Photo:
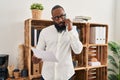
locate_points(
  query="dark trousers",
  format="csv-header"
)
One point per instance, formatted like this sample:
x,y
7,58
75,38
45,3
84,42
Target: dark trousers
x,y
41,78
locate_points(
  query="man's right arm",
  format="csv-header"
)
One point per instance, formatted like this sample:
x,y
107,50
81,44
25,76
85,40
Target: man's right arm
x,y
40,46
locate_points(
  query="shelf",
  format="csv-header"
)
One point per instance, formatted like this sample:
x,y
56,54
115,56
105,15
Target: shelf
x,y
97,45
80,75
80,68
97,73
84,45
34,76
20,78
80,61
91,67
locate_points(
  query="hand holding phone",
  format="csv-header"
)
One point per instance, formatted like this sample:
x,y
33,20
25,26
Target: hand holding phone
x,y
68,23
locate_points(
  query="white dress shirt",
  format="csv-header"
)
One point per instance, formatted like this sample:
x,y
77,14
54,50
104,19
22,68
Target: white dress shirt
x,y
60,44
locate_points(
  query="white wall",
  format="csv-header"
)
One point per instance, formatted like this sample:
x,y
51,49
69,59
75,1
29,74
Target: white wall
x,y
14,12
117,26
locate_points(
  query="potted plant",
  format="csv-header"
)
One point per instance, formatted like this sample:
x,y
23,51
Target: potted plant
x,y
36,10
114,60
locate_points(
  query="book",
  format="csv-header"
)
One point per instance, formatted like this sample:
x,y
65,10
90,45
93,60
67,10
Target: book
x,y
98,35
95,35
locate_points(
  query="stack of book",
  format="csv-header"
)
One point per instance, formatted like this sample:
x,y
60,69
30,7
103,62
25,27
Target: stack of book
x,y
81,18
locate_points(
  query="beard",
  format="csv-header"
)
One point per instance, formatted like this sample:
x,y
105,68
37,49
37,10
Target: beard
x,y
60,26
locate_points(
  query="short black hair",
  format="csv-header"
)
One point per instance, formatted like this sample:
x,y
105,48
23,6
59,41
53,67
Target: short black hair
x,y
55,7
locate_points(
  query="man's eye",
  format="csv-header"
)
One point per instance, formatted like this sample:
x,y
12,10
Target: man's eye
x,y
56,17
61,15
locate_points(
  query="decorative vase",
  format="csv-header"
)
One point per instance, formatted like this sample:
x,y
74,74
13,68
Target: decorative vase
x,y
36,14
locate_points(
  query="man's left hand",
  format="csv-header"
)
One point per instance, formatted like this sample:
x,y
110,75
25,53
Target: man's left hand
x,y
68,23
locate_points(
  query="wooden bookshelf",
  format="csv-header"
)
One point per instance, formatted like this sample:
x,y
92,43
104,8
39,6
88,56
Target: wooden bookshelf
x,y
83,71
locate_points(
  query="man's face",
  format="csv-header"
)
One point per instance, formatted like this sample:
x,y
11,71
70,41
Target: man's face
x,y
58,16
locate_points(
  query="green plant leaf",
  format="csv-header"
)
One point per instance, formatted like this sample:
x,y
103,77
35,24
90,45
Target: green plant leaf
x,y
112,77
118,76
114,47
112,70
37,6
112,61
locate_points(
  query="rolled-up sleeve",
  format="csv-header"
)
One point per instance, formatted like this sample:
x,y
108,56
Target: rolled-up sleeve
x,y
75,43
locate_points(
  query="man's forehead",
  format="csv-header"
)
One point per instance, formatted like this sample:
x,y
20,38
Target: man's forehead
x,y
57,11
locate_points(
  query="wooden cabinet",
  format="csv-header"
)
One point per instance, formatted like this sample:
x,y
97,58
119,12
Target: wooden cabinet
x,y
83,71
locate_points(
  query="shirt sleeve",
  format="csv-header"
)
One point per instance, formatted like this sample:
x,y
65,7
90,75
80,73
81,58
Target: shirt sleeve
x,y
41,41
75,43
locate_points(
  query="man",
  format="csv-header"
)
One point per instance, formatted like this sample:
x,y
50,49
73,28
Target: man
x,y
59,38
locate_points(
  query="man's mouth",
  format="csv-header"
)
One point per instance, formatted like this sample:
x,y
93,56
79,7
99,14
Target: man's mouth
x,y
61,23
